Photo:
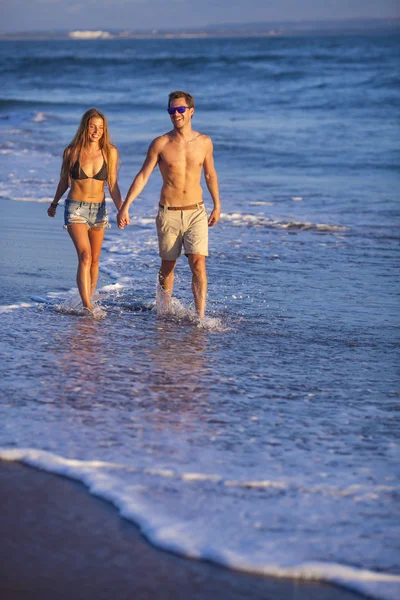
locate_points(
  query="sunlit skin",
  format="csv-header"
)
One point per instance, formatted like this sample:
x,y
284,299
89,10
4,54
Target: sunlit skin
x,y
181,155
88,243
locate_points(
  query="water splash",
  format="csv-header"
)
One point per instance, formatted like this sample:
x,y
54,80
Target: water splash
x,y
171,308
72,305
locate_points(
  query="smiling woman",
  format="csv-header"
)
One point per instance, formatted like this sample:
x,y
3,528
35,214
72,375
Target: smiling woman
x,y
88,162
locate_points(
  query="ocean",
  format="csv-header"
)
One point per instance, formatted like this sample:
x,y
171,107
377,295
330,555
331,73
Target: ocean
x,y
267,439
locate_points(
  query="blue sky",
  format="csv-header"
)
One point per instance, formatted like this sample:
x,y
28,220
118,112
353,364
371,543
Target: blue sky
x,y
42,15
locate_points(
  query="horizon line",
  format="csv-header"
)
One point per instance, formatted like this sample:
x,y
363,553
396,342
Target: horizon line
x,y
213,27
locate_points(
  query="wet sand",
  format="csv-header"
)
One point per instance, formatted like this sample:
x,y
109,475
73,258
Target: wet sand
x,y
36,253
59,542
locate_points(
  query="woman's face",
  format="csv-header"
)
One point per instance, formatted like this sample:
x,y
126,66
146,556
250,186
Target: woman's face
x,y
95,129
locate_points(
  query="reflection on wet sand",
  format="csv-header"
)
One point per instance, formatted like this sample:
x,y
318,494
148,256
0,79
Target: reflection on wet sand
x,y
179,373
82,365
165,369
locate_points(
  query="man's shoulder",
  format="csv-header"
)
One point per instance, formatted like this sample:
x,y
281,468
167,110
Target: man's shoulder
x,y
165,138
159,142
197,135
205,139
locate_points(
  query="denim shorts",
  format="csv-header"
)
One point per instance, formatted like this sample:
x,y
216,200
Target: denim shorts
x,y
91,214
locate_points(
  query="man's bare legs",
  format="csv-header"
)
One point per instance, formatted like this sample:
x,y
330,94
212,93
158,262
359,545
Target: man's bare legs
x,y
166,278
197,264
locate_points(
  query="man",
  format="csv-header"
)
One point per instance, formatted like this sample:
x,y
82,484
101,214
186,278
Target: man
x,y
181,154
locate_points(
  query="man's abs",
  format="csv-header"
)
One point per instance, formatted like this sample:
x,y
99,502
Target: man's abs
x,y
174,196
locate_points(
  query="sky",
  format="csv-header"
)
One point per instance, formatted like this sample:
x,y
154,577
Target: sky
x,y
44,15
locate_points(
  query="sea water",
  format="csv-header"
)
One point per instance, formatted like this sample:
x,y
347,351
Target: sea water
x,y
267,437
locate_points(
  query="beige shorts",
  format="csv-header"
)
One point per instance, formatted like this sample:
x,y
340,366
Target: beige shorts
x,y
177,228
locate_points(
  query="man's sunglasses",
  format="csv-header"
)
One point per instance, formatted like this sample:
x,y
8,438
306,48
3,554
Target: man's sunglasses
x,y
173,109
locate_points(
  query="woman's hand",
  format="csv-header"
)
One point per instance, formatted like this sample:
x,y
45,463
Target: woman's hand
x,y
51,211
123,217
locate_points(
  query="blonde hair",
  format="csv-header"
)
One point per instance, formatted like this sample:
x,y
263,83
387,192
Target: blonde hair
x,y
81,139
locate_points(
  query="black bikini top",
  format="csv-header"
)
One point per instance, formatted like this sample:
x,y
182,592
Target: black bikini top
x,y
78,173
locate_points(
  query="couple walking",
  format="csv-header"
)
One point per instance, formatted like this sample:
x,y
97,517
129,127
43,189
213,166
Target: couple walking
x,y
181,154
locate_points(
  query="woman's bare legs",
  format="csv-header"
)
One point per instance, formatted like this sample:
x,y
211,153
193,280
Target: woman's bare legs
x,y
88,244
80,236
96,236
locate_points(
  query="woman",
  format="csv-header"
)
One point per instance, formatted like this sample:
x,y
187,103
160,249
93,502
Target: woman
x,y
88,162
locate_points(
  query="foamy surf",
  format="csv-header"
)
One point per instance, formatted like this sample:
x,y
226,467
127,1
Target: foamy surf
x,y
249,220
7,308
108,480
40,117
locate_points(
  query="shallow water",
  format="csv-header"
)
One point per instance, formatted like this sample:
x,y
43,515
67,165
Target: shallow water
x,y
267,438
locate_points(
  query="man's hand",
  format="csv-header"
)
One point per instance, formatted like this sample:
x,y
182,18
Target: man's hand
x,y
123,218
214,217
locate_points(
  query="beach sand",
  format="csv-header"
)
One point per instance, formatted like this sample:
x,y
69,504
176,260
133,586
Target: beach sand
x,y
59,542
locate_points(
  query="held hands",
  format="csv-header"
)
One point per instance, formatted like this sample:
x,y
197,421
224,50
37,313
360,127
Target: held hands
x,y
123,218
214,217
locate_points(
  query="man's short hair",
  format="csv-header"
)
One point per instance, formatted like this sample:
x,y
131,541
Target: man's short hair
x,y
179,94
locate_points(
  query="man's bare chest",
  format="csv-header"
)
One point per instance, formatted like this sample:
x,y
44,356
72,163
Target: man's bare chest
x,y
186,156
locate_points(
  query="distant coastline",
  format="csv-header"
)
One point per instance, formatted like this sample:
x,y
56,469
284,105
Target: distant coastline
x,y
288,28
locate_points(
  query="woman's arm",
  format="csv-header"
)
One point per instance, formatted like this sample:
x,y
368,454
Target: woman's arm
x,y
62,187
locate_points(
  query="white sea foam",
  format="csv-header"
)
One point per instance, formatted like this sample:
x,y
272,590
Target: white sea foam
x,y
142,222
6,308
39,117
246,220
110,271
13,152
113,287
172,532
